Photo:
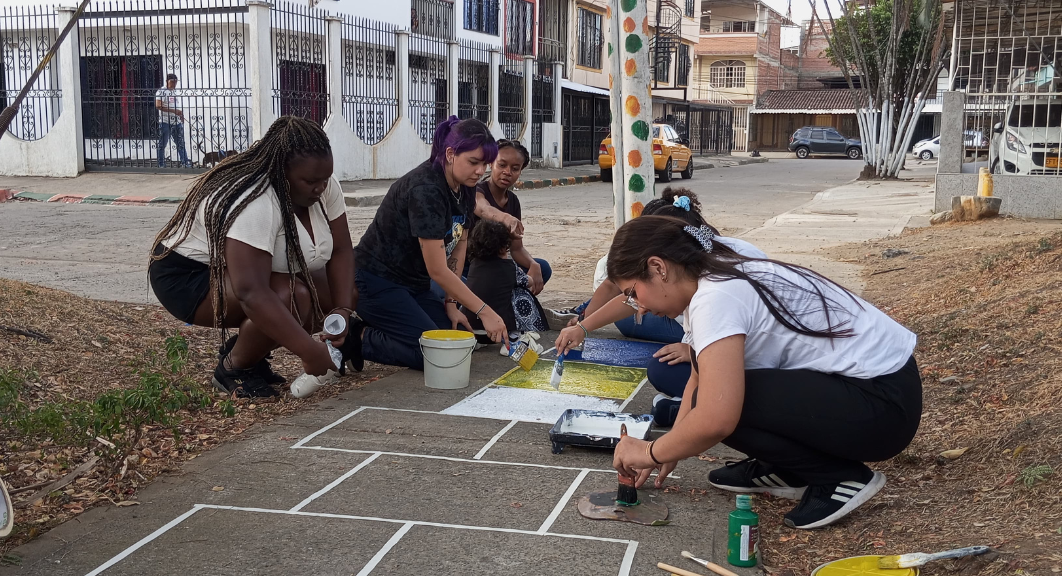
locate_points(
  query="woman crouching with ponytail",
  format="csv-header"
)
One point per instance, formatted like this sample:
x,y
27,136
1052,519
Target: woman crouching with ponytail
x,y
261,244
805,378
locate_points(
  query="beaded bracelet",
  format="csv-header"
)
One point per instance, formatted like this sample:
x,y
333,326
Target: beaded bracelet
x,y
586,333
478,312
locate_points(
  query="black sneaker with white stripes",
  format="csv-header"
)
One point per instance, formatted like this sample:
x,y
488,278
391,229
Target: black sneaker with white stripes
x,y
750,476
825,504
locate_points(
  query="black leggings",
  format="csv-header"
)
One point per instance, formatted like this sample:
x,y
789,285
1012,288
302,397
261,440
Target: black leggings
x,y
823,427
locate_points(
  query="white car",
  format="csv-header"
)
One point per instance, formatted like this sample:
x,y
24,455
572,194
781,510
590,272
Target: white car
x,y
1029,140
927,149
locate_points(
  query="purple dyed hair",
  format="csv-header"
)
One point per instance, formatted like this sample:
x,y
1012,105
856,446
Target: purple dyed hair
x,y
462,136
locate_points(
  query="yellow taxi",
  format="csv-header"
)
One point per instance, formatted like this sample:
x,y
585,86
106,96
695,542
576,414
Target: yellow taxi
x,y
670,153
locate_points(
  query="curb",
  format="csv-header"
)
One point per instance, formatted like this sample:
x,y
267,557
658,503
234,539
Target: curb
x,y
101,199
551,182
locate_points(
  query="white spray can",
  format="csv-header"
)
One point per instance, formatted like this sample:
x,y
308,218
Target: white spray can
x,y
307,384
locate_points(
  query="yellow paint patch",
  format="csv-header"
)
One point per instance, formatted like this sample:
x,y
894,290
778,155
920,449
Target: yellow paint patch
x,y
630,67
579,378
636,209
628,25
632,106
634,158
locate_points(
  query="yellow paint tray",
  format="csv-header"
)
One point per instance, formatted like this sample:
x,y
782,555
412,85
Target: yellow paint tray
x,y
860,566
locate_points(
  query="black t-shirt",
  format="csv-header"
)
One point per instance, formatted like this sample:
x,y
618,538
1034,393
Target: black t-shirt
x,y
512,205
493,280
418,205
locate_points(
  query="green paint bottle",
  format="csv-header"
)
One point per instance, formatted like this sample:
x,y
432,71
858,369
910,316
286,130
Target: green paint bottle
x,y
743,534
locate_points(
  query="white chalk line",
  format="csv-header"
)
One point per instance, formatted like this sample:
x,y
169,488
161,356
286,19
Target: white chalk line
x,y
335,482
145,540
623,406
455,459
415,523
371,565
563,502
493,440
628,559
300,443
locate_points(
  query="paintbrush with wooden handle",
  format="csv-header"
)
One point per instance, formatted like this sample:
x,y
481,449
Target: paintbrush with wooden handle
x,y
921,558
709,565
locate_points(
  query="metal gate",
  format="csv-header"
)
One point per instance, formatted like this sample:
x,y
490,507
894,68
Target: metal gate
x,y
128,48
511,96
541,105
586,119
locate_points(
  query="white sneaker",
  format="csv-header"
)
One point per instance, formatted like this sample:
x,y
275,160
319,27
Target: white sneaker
x,y
7,511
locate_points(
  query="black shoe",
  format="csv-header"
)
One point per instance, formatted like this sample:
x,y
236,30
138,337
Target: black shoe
x,y
752,476
351,347
826,504
262,368
246,383
665,410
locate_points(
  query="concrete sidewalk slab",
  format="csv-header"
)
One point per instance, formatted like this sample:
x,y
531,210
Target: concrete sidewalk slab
x,y
855,212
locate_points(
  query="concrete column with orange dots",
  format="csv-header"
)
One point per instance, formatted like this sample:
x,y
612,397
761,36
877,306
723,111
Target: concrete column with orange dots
x,y
633,176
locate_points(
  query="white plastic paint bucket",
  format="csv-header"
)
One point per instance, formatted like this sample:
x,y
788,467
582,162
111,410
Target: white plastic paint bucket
x,y
447,358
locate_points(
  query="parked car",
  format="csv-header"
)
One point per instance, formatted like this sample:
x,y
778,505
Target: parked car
x,y
670,152
927,149
1029,139
823,140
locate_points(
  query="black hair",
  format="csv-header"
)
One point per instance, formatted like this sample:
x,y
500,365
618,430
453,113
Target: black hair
x,y
666,237
171,76
516,145
488,239
665,206
462,136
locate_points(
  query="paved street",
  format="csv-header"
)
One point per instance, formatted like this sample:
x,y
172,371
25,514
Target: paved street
x,y
100,251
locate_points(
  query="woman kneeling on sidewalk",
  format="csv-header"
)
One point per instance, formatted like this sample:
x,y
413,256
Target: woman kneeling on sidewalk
x,y
261,244
805,378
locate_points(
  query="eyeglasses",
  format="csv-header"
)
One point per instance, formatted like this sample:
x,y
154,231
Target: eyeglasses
x,y
631,299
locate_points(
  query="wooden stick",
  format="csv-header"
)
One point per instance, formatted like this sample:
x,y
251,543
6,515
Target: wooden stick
x,y
709,565
674,570
62,482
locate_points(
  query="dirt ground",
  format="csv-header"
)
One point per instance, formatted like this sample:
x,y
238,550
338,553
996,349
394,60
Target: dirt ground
x,y
985,301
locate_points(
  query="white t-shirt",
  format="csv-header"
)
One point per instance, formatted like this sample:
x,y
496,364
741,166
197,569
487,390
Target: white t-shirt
x,y
169,100
725,308
261,226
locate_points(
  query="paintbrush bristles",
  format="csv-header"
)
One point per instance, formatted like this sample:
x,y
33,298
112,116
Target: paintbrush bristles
x,y
889,562
626,494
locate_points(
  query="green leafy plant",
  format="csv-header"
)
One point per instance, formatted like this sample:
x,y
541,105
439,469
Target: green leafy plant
x,y
1035,473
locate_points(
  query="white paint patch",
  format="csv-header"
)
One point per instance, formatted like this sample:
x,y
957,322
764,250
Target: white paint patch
x,y
503,402
603,426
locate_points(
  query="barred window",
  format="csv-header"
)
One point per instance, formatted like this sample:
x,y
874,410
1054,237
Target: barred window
x,y
690,6
589,39
739,26
728,74
684,65
482,16
520,27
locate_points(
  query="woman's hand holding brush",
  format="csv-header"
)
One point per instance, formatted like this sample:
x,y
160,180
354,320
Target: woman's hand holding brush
x,y
634,459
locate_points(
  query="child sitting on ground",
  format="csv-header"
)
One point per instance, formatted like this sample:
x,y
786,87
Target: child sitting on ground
x,y
496,279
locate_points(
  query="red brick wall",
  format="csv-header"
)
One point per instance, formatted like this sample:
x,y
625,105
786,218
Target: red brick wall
x,y
814,64
729,45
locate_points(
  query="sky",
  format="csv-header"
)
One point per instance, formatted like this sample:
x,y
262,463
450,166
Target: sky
x,y
801,11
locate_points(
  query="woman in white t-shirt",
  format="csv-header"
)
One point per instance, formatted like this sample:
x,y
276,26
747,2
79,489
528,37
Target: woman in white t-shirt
x,y
805,378
261,243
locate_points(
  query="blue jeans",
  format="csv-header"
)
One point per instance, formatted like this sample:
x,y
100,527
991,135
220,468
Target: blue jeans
x,y
653,328
176,131
547,273
670,380
396,317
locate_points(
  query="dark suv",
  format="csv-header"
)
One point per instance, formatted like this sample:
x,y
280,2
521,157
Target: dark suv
x,y
823,140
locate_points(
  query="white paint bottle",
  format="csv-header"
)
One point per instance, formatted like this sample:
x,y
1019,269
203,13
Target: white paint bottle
x,y
307,384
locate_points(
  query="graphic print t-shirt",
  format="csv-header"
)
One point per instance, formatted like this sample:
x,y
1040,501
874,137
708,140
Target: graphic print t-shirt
x,y
169,100
418,205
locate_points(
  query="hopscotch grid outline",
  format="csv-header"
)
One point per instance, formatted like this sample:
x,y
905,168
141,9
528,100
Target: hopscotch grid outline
x,y
335,482
625,566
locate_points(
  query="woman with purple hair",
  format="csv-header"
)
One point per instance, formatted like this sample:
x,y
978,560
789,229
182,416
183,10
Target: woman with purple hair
x,y
418,236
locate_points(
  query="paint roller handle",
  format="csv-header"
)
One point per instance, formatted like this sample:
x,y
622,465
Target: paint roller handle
x,y
676,570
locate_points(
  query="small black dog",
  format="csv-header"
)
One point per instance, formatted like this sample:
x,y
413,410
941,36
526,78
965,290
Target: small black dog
x,y
212,158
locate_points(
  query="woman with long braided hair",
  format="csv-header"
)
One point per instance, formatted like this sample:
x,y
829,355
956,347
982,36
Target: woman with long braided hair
x,y
261,243
418,236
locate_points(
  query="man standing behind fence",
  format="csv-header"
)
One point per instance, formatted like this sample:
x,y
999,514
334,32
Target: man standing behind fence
x,y
171,121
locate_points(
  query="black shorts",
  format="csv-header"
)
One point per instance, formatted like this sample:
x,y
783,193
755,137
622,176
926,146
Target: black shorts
x,y
180,283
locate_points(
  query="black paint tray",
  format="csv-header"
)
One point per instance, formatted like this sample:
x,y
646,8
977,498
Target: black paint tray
x,y
596,429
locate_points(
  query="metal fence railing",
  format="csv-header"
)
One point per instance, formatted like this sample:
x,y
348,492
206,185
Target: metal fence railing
x,y
428,84
128,49
542,106
26,34
370,88
300,75
473,82
433,18
511,96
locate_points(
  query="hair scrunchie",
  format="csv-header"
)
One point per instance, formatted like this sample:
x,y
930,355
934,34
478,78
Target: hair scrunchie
x,y
703,235
682,202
